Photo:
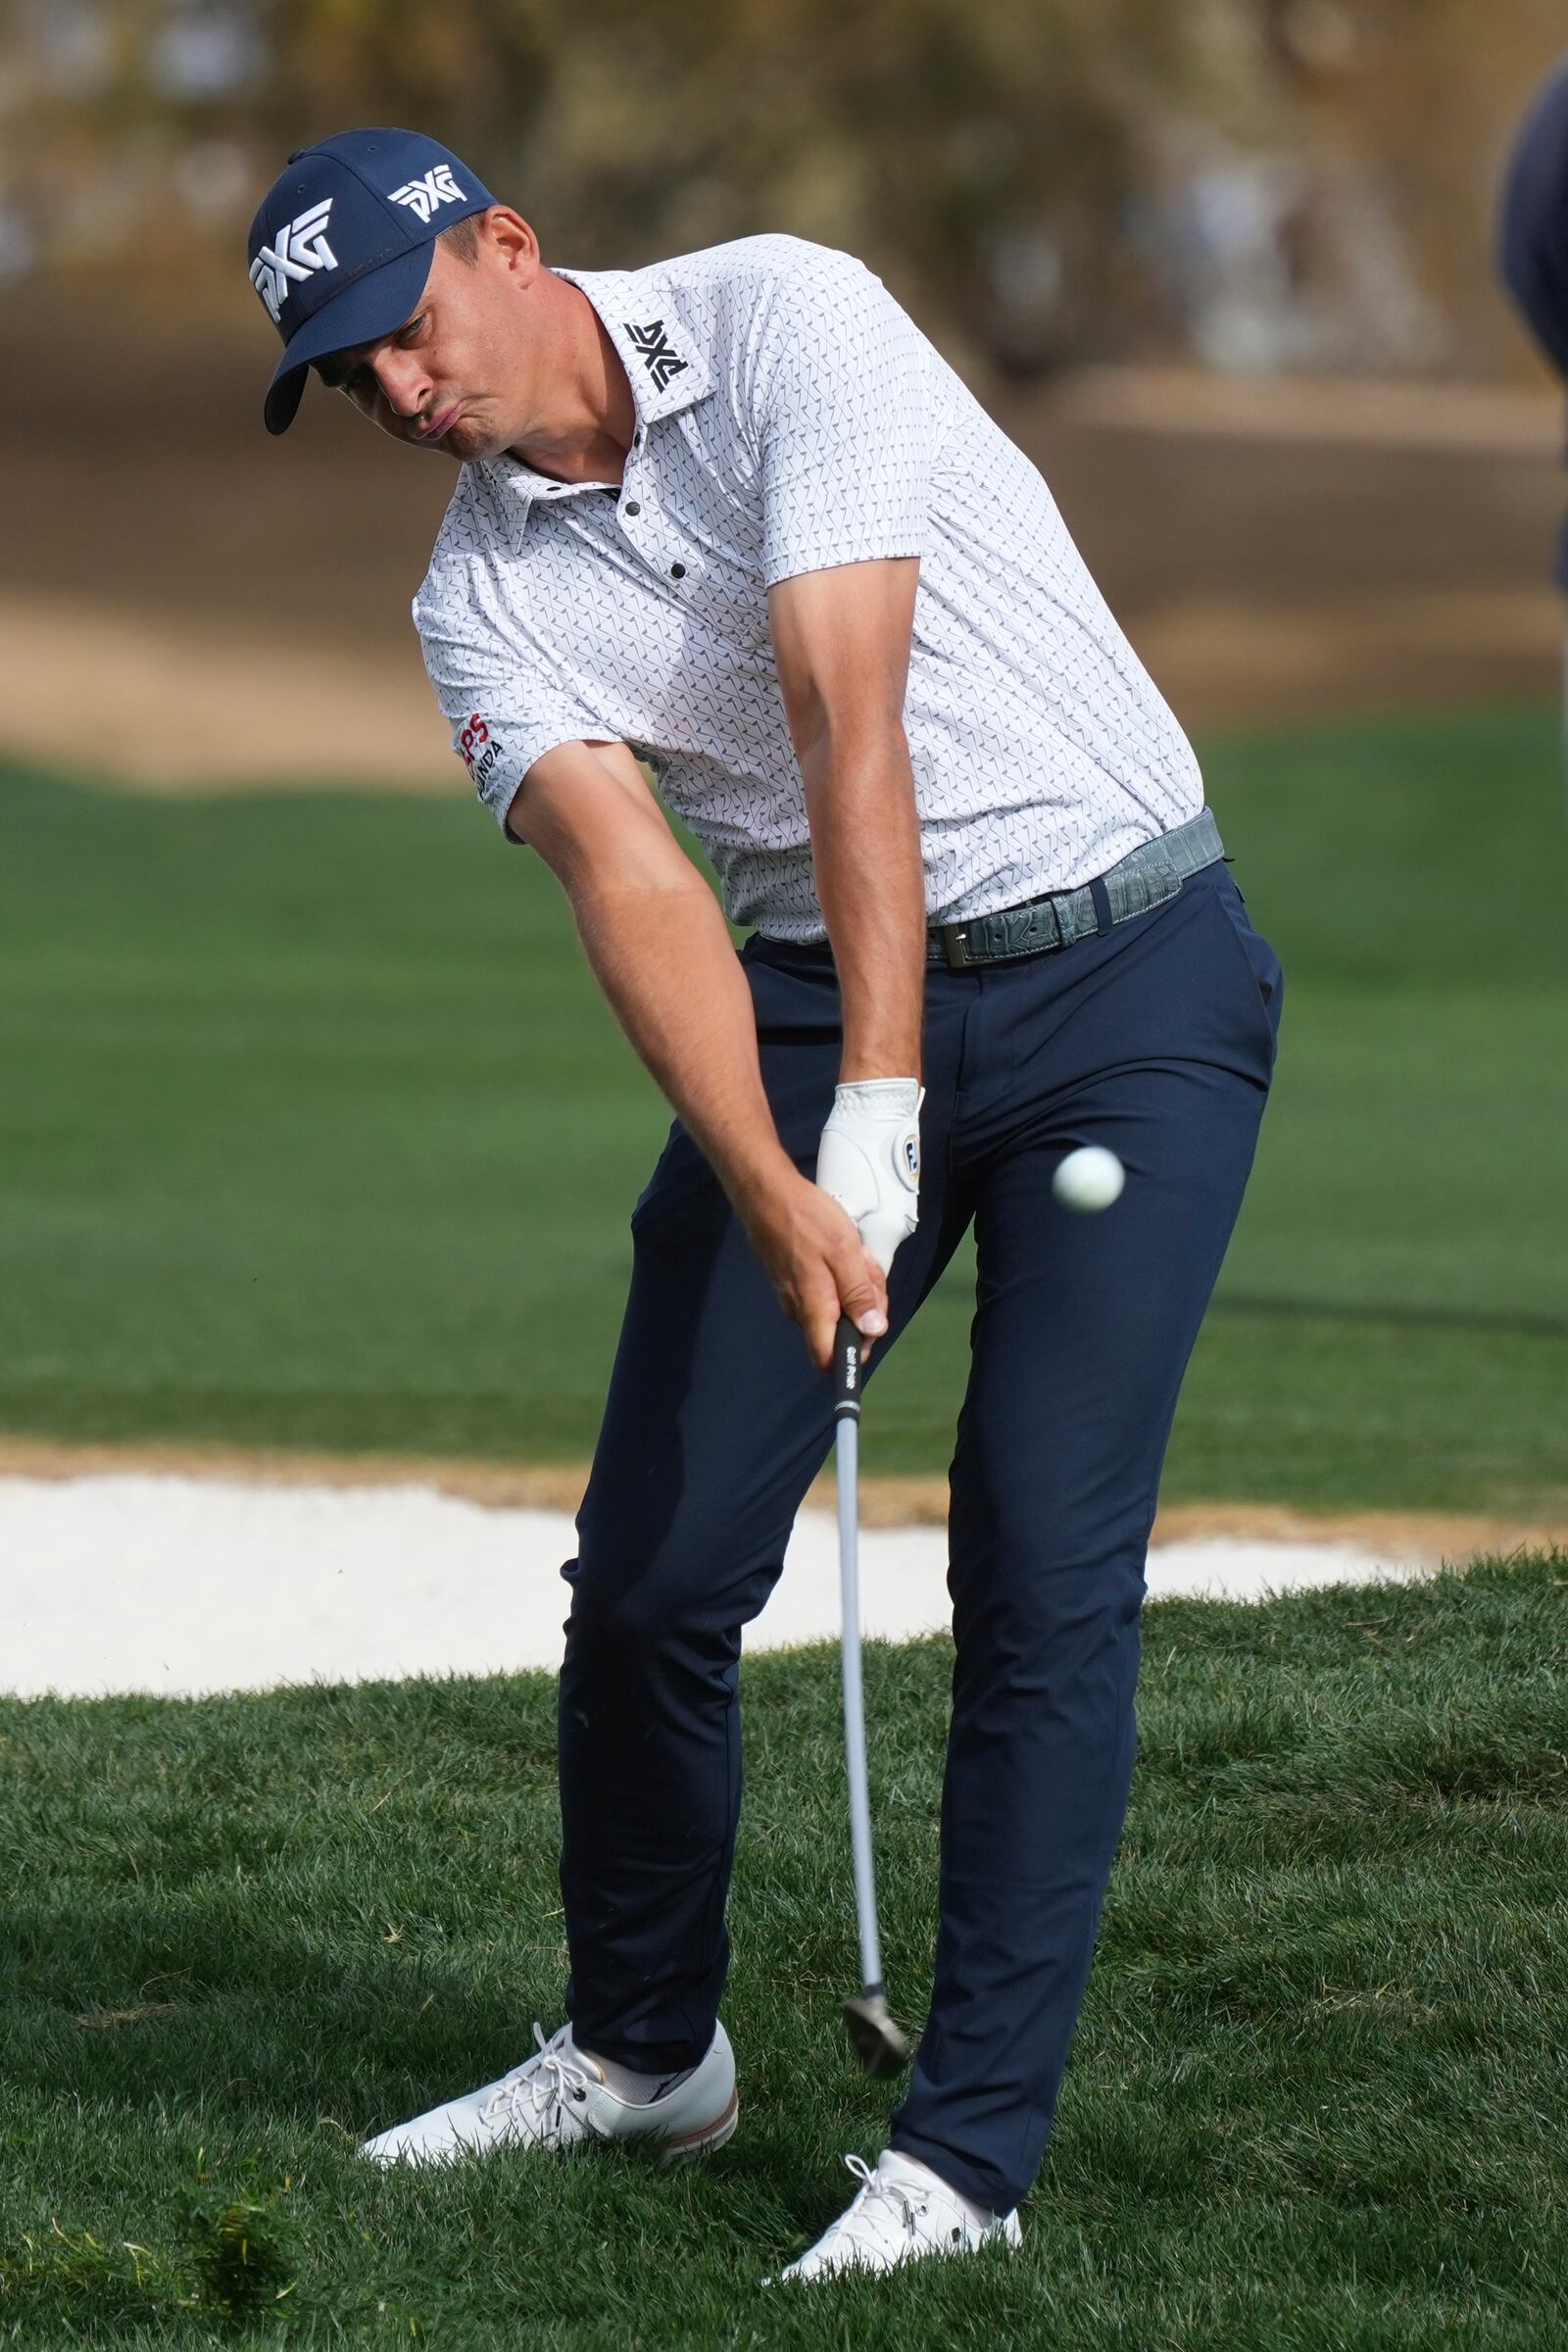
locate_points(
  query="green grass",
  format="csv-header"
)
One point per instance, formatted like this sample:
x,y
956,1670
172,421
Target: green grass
x,y
317,1132
1315,2101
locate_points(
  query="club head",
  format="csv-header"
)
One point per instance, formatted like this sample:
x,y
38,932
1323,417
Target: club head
x,y
874,2038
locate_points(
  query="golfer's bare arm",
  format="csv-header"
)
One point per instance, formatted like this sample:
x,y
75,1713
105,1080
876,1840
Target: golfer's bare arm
x,y
652,929
660,951
840,641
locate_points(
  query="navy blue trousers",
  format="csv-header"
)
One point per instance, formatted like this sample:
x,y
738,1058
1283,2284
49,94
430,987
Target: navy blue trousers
x,y
1156,1038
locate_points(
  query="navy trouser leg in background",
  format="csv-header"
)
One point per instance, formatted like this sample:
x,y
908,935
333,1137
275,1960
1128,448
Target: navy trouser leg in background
x,y
1155,1038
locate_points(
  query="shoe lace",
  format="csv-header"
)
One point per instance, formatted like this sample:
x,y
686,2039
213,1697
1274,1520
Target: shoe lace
x,y
875,2188
539,2086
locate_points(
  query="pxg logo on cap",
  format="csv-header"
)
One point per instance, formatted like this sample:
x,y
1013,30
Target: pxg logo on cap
x,y
301,247
340,248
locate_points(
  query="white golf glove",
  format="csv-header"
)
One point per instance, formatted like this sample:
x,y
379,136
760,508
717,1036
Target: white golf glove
x,y
869,1160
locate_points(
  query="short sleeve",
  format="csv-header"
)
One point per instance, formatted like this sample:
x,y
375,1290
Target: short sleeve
x,y
504,713
844,406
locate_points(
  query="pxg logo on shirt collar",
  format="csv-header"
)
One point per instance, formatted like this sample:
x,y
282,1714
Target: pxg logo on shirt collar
x,y
658,358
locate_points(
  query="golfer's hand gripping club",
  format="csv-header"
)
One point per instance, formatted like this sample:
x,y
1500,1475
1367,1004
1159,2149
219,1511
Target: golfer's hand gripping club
x,y
870,1160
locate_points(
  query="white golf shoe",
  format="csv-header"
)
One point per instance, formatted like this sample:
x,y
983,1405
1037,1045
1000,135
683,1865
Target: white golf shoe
x,y
560,2098
901,2213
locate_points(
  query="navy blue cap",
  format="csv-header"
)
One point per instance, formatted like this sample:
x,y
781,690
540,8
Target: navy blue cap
x,y
341,246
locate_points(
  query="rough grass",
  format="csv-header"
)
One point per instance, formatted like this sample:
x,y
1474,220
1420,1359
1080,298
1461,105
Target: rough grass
x,y
1315,2102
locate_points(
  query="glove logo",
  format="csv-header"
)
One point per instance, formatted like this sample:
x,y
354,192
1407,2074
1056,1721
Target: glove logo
x,y
910,1157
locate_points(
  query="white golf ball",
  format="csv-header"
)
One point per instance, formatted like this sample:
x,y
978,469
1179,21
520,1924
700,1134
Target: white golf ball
x,y
1088,1179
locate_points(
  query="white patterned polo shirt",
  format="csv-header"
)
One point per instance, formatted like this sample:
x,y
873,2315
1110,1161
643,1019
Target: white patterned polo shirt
x,y
790,417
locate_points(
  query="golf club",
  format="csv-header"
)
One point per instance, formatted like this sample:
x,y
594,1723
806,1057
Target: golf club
x,y
873,2037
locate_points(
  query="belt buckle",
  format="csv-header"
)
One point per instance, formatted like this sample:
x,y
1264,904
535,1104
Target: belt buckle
x,y
955,944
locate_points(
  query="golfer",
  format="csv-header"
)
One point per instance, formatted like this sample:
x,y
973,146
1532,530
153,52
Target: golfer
x,y
733,517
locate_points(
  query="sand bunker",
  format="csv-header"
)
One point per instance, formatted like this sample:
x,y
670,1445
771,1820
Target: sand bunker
x,y
135,1581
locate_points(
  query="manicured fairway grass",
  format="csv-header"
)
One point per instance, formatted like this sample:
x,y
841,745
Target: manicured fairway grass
x,y
1315,2101
315,1130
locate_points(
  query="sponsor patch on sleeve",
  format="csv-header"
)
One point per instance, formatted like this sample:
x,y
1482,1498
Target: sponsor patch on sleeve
x,y
479,750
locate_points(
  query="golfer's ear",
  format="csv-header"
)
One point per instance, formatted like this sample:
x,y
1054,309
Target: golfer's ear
x,y
510,234
587,809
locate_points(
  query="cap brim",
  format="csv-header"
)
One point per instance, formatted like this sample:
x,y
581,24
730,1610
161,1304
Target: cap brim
x,y
373,306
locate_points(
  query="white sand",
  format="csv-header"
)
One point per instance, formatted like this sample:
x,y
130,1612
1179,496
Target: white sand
x,y
136,1582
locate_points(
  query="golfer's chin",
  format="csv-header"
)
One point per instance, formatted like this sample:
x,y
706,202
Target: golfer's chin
x,y
470,437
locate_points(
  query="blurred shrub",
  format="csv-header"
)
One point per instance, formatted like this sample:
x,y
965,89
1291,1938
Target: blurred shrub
x,y
1259,182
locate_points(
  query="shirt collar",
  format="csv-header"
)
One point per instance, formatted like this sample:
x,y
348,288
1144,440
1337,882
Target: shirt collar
x,y
666,371
663,365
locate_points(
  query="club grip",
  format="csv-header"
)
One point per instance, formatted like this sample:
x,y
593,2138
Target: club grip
x,y
847,1346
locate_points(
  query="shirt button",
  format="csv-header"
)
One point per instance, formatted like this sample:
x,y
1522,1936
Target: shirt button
x,y
632,506
678,571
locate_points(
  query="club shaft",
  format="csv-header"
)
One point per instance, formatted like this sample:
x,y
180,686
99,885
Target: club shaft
x,y
847,1443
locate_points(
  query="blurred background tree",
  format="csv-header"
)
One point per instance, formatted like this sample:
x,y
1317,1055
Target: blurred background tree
x,y
1257,184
